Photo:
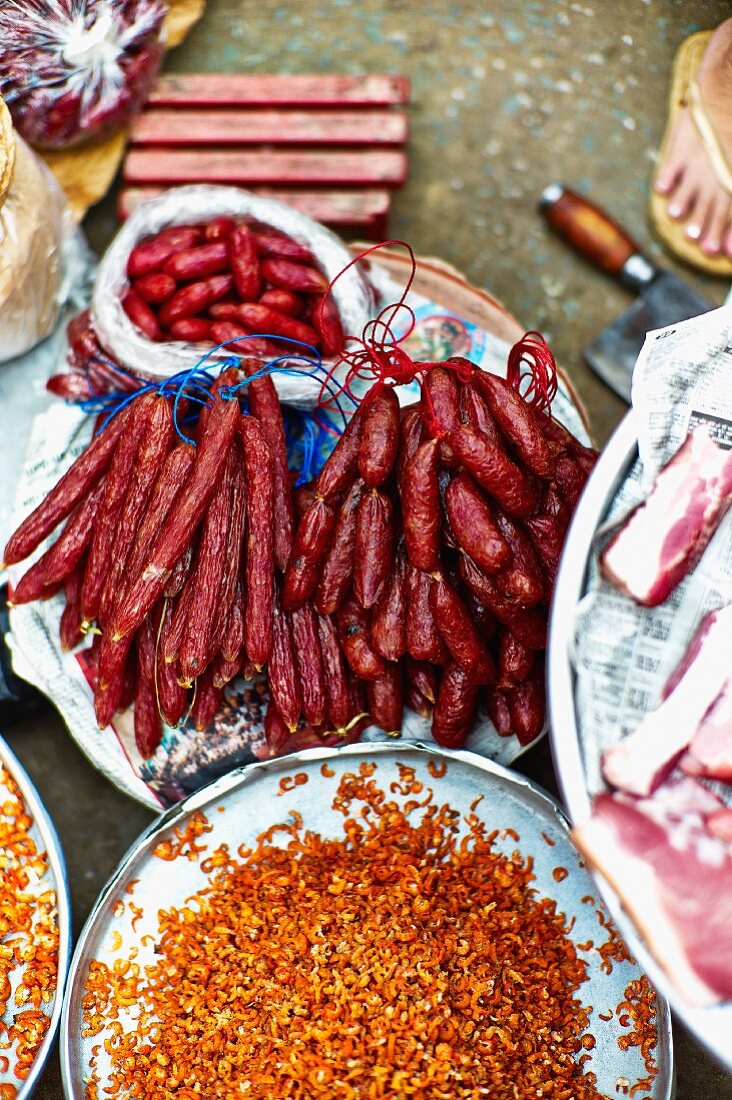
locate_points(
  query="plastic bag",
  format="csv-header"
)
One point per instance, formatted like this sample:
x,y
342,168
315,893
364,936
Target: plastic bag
x,y
200,203
70,69
35,225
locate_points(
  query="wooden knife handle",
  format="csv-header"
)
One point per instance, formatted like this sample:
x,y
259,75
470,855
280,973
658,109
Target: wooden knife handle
x,y
587,229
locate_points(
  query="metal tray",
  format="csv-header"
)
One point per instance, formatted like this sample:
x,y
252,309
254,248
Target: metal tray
x,y
242,804
711,1026
46,839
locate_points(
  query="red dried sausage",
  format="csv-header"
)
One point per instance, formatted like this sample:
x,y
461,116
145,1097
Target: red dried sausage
x,y
218,229
231,564
529,626
183,518
207,702
422,636
284,301
198,262
341,466
326,319
423,676
460,633
152,254
411,431
547,534
455,708
389,619
282,674
271,244
570,479
496,704
155,287
334,672
261,318
197,646
374,551
521,582
75,484
337,569
312,540
309,660
491,467
193,330
420,492
474,526
70,626
61,559
110,507
353,629
527,706
517,422
294,276
515,661
173,700
385,700
148,724
265,405
259,558
380,437
151,454
441,404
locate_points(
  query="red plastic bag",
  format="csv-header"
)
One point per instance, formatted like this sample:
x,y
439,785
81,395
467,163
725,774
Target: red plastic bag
x,y
70,69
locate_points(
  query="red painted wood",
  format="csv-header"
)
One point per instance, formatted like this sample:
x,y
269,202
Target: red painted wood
x,y
178,126
372,166
363,211
253,89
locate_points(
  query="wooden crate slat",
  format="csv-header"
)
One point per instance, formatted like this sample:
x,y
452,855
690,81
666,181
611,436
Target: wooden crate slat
x,y
365,211
227,166
179,126
298,89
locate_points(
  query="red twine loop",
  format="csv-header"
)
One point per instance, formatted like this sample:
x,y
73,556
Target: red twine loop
x,y
375,356
378,358
532,371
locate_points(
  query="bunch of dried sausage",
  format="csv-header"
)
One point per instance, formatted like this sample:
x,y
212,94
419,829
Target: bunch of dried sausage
x,y
416,569
211,283
431,544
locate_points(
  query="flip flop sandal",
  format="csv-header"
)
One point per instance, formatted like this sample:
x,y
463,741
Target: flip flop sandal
x,y
685,93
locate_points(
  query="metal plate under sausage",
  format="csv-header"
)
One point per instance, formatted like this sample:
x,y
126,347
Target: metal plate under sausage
x,y
46,840
711,1026
248,801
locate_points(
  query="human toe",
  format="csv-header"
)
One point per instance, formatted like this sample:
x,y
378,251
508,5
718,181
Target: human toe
x,y
716,226
677,155
681,203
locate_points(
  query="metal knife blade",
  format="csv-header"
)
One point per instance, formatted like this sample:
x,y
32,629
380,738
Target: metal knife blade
x,y
663,301
663,298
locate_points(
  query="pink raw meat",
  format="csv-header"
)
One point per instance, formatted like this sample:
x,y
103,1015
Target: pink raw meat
x,y
710,751
666,858
664,537
638,763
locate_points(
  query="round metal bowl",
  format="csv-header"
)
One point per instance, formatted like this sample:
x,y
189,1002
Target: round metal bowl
x,y
46,839
711,1026
243,804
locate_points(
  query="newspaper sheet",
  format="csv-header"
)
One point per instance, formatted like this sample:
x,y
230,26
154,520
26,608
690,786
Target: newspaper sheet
x,y
625,653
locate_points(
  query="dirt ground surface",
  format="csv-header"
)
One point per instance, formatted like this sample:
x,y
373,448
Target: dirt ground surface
x,y
506,98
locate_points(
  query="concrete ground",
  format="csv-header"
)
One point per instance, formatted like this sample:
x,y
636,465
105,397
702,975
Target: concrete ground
x,y
506,98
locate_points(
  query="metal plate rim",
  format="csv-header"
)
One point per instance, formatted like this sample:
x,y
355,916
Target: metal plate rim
x,y
57,866
246,775
604,481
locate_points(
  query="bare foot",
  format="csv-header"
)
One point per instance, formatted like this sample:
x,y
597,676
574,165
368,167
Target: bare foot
x,y
685,175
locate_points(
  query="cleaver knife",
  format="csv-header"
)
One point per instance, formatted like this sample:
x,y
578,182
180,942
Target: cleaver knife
x,y
662,297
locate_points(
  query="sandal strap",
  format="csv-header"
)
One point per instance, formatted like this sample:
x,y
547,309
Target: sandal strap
x,y
709,139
